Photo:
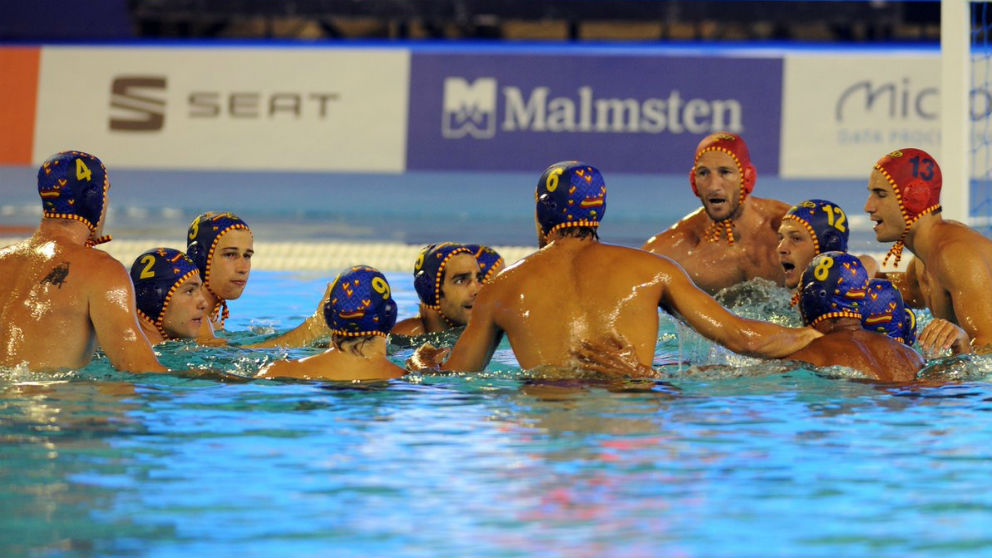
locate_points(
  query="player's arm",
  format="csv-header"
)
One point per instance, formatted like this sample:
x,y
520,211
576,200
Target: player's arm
x,y
908,283
741,335
477,343
969,281
115,320
310,330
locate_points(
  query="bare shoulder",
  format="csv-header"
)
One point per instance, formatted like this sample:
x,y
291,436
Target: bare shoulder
x,y
409,326
959,248
688,229
771,210
100,266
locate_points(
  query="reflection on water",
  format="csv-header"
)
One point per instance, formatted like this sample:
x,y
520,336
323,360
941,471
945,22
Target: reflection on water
x,y
723,457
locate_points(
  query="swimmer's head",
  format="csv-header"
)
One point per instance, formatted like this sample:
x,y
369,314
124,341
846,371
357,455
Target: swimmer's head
x,y
732,145
156,275
74,185
916,180
570,194
428,271
885,312
825,222
833,286
205,232
360,304
490,262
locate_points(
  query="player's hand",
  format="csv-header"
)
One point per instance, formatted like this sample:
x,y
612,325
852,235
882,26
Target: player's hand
x,y
941,335
613,357
426,357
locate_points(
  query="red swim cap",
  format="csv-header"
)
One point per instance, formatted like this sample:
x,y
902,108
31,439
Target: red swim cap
x,y
916,180
733,145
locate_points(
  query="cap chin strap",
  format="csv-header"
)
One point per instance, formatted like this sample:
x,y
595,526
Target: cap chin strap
x,y
896,250
91,242
720,228
220,311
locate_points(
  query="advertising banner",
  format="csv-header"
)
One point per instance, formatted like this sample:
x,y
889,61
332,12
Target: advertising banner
x,y
226,108
842,113
621,112
19,68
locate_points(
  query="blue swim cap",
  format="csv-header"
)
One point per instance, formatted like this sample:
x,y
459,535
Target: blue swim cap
x,y
73,185
570,194
204,233
488,260
833,286
885,312
156,275
429,271
360,304
825,221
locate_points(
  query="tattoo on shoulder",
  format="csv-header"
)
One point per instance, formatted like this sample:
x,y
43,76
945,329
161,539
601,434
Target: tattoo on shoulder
x,y
57,276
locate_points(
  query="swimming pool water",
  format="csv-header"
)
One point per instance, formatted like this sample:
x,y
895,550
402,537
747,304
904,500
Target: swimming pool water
x,y
741,459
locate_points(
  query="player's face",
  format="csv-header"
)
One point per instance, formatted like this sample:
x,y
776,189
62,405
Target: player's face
x,y
718,181
231,264
883,208
186,310
460,287
795,250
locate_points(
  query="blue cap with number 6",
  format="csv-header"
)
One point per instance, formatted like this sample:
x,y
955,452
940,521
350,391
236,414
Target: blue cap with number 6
x,y
825,222
834,285
360,304
570,194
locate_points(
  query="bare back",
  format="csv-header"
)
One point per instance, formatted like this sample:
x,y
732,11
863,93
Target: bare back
x,y
564,294
335,365
53,293
878,356
717,265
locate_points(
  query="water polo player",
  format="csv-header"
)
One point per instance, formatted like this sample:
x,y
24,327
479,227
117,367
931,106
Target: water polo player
x,y
733,236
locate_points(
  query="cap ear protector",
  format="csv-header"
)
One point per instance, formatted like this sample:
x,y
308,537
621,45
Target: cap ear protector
x,y
916,179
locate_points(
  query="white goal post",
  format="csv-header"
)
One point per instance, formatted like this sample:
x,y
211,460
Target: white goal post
x,y
956,150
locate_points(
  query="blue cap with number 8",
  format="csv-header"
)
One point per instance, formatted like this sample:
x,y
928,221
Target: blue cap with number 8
x,y
834,285
360,304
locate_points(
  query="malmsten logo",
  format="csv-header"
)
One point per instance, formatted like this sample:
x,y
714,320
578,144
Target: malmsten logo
x,y
471,109
133,99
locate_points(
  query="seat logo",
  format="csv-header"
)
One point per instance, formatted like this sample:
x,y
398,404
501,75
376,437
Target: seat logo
x,y
134,105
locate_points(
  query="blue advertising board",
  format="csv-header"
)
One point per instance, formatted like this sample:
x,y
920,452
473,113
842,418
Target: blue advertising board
x,y
491,111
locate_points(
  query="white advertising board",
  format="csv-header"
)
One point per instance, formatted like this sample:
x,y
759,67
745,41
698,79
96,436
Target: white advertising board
x,y
226,108
841,113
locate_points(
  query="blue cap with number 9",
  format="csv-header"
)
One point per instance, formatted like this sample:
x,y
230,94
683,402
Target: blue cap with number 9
x,y
834,285
825,222
360,304
73,185
885,312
